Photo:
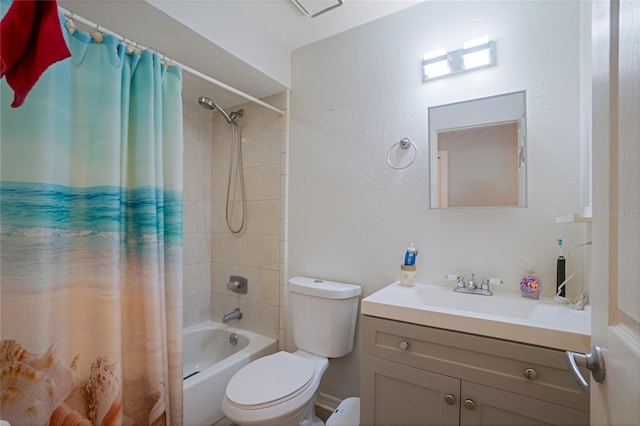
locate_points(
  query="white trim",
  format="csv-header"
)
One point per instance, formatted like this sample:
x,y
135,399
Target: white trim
x,y
327,402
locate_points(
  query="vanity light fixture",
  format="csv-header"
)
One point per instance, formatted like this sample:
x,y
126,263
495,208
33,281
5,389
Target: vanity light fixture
x,y
313,8
475,54
435,64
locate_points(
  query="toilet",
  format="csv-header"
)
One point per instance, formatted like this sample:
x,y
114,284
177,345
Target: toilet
x,y
281,389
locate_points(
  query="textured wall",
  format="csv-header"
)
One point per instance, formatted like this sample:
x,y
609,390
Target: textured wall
x,y
351,216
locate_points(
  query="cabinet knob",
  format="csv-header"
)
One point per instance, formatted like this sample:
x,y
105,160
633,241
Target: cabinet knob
x,y
403,346
469,404
530,374
449,399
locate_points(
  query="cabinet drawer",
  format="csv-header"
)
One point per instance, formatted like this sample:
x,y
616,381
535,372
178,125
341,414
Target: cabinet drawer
x,y
497,363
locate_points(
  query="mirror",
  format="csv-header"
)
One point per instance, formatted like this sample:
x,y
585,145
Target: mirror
x,y
478,152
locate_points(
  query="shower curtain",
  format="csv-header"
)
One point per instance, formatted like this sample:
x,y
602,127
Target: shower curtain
x,y
91,241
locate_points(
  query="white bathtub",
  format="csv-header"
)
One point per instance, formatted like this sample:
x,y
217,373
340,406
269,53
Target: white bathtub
x,y
209,362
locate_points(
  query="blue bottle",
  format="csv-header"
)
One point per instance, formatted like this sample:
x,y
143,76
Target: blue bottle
x,y
410,255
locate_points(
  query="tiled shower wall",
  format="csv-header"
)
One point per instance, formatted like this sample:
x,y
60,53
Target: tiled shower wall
x,y
211,252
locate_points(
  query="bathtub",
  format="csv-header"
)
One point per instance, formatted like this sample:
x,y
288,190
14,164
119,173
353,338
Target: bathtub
x,y
209,362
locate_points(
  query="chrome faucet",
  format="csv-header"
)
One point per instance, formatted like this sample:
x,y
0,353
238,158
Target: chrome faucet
x,y
472,287
235,314
471,284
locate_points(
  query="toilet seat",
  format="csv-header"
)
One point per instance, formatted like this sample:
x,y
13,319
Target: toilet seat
x,y
270,381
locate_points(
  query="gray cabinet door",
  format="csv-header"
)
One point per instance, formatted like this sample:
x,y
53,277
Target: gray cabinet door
x,y
394,394
483,405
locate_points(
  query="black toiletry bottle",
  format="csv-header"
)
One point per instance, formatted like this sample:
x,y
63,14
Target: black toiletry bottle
x,y
560,272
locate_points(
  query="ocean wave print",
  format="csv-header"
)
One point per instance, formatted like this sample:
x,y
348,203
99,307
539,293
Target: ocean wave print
x,y
56,236
144,214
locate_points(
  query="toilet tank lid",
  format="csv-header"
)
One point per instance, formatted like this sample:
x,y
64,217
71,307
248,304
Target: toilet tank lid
x,y
323,288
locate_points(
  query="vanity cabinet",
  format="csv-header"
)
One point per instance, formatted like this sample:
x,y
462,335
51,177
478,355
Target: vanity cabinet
x,y
417,375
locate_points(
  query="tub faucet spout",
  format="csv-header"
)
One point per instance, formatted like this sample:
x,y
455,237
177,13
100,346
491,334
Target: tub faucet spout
x,y
235,314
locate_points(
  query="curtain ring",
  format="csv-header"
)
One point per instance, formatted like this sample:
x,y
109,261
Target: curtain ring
x,y
97,35
404,143
71,26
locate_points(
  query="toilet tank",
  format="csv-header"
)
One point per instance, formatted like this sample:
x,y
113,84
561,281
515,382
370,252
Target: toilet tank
x,y
323,315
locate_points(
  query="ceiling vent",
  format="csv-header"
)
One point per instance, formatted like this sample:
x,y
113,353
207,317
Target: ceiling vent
x,y
313,8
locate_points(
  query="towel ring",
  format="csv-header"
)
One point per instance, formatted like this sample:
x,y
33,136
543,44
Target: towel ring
x,y
404,143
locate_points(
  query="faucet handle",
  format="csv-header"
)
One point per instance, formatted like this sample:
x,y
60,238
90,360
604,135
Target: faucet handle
x,y
238,284
492,281
458,278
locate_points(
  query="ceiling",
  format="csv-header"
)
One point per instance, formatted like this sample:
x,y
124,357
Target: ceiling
x,y
271,24
291,28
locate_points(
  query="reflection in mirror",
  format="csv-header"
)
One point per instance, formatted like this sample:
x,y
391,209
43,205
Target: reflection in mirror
x,y
477,152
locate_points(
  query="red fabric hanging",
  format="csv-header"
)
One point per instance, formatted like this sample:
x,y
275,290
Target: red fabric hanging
x,y
30,41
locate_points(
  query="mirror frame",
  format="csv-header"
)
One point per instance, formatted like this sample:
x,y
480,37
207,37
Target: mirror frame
x,y
490,115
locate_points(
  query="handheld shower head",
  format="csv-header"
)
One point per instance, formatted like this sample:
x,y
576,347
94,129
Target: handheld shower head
x,y
208,103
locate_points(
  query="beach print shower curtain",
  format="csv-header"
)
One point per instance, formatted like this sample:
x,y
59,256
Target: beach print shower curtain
x,y
91,241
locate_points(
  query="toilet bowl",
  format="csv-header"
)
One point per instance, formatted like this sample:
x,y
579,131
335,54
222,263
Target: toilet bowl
x,y
278,389
281,389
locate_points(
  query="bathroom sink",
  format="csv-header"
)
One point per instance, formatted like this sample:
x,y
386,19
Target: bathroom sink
x,y
437,297
504,316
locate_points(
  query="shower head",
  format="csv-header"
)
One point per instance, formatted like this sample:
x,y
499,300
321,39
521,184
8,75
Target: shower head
x,y
208,103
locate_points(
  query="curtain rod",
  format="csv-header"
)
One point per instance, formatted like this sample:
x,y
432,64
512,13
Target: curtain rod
x,y
190,70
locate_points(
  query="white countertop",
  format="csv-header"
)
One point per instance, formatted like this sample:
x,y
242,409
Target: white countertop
x,y
503,316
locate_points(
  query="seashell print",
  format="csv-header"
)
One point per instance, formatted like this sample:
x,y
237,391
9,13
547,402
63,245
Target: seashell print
x,y
64,415
104,389
31,385
10,350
